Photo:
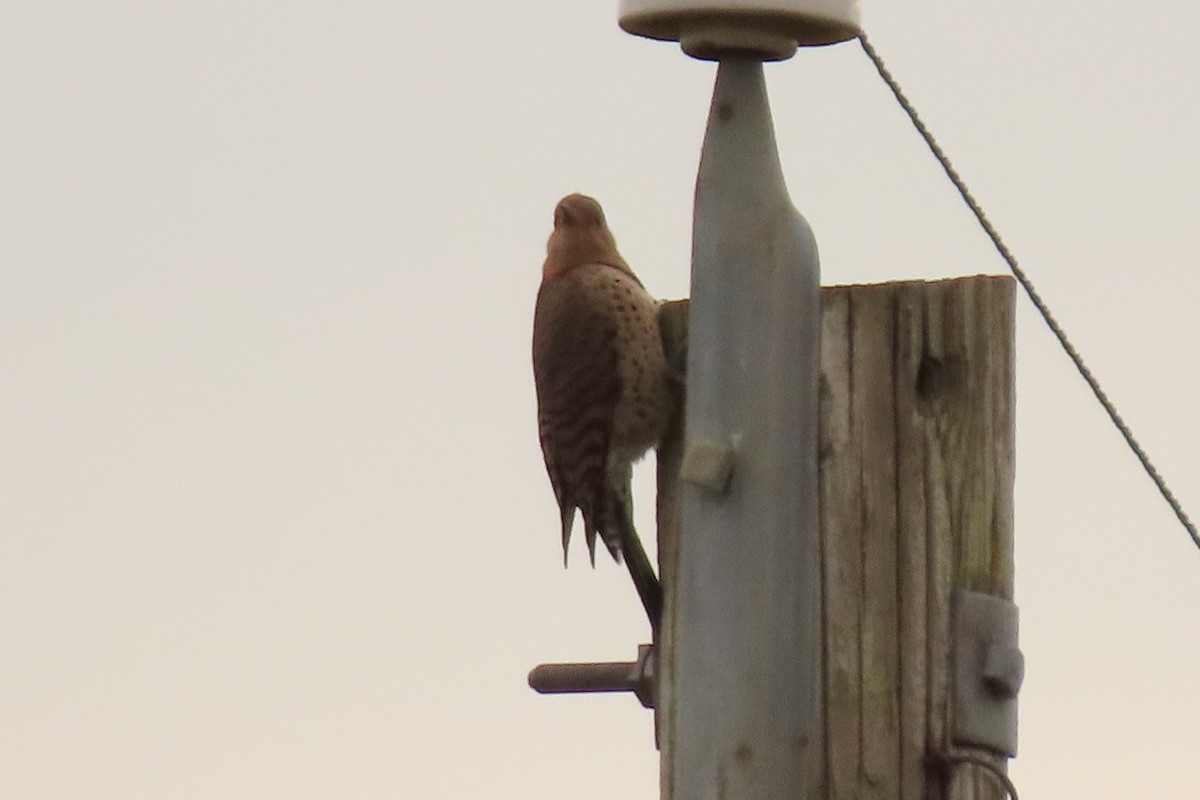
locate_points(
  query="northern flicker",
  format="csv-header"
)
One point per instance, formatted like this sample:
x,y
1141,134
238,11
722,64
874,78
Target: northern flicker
x,y
605,395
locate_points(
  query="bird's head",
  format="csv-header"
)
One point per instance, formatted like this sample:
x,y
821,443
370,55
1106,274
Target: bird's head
x,y
580,236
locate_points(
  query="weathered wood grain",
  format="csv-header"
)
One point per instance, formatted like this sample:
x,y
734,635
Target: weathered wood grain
x,y
912,548
917,467
842,551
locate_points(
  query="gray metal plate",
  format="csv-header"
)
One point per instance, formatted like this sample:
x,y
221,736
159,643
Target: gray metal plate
x,y
988,670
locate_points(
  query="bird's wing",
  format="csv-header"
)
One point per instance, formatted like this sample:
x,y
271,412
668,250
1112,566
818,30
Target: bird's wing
x,y
578,385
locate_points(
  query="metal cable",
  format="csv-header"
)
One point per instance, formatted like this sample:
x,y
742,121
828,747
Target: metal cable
x,y
1027,285
955,759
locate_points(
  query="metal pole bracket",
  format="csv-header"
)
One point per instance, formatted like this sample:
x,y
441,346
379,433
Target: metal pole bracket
x,y
606,676
988,670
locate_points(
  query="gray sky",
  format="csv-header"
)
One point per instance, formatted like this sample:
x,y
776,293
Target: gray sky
x,y
274,518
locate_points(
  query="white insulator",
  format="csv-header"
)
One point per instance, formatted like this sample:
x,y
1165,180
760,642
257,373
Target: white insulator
x,y
771,29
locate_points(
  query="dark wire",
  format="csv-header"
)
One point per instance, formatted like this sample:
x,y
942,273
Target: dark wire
x,y
1027,285
954,759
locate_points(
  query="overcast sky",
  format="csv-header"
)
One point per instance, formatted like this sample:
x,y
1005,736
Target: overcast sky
x,y
273,518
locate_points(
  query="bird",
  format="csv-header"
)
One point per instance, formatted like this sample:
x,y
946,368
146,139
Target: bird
x,y
605,393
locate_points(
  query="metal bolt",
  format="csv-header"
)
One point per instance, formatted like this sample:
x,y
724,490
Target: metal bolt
x,y
1003,671
707,464
605,676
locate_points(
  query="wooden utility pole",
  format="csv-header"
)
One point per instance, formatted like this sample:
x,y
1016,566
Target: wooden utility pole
x,y
916,502
916,477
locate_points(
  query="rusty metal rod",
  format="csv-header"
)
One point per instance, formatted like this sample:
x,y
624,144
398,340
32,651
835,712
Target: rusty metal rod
x,y
605,676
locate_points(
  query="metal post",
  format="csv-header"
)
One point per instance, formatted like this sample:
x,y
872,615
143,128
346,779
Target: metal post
x,y
742,718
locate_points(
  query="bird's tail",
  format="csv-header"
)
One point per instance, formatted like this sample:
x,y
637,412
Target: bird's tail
x,y
616,507
603,525
568,521
606,526
611,519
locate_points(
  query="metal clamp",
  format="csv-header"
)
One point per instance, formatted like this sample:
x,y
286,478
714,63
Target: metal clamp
x,y
988,671
606,676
